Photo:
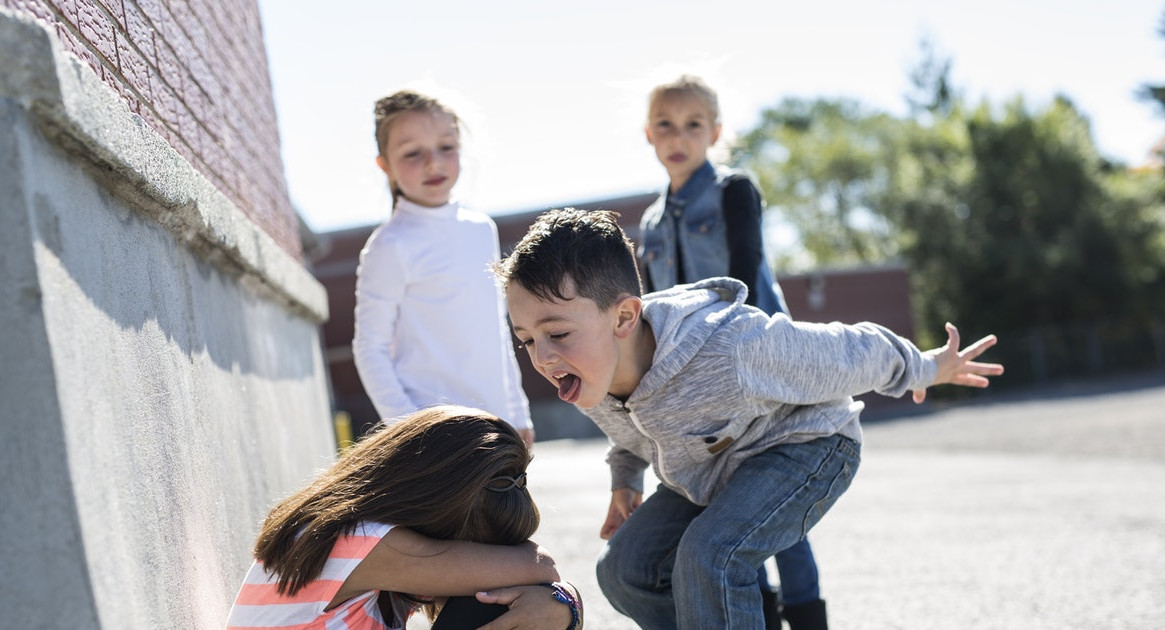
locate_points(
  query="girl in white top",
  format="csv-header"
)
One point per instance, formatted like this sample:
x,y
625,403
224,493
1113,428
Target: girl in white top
x,y
430,320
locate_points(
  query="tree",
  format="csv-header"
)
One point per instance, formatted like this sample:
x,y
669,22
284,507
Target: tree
x,y
1009,218
1156,93
819,163
932,92
1017,226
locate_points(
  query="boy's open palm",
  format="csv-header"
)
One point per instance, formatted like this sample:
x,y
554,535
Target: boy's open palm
x,y
959,368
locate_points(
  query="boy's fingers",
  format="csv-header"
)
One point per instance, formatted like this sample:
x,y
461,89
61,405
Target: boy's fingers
x,y
974,367
952,336
971,380
979,347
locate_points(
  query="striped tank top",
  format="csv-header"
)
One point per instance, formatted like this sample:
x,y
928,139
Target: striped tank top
x,y
259,604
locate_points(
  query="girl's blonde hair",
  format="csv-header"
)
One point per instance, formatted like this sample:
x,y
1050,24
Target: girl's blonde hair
x,y
436,471
389,108
686,85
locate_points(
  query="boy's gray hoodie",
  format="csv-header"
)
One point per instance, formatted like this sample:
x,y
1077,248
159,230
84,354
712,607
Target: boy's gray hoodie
x,y
728,381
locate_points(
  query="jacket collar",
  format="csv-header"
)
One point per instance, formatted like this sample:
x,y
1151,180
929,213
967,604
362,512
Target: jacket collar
x,y
703,176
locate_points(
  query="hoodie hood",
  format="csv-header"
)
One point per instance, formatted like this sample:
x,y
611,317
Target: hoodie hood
x,y
682,318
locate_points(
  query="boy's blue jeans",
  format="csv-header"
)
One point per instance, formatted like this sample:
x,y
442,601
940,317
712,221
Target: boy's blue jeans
x,y
675,564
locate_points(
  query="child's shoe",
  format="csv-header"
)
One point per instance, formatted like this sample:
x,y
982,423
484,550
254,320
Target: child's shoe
x,y
807,616
772,609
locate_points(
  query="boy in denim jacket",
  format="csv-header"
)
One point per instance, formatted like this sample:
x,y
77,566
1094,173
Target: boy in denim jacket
x,y
746,419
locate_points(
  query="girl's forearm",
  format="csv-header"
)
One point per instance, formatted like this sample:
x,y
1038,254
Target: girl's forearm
x,y
408,562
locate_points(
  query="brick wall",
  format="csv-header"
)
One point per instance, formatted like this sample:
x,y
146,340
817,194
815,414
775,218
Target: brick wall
x,y
196,72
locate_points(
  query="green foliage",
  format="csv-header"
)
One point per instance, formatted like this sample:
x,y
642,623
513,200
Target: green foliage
x,y
821,163
1009,218
1155,93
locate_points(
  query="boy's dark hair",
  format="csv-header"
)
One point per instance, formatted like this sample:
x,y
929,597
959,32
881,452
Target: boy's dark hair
x,y
587,245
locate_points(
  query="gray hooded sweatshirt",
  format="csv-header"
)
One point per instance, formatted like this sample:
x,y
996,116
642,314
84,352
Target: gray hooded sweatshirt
x,y
728,381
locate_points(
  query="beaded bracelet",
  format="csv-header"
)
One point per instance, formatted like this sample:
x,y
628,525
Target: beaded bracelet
x,y
561,594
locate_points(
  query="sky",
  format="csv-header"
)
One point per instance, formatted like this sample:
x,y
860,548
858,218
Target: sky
x,y
553,94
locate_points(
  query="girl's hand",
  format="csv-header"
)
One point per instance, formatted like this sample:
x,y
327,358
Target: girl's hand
x,y
957,367
624,501
531,607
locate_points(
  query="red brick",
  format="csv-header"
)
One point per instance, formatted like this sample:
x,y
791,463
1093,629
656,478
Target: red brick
x,y
141,34
66,9
115,81
204,13
146,111
97,28
195,135
115,10
170,69
212,123
188,22
194,97
134,67
72,43
165,101
191,157
165,26
187,124
154,10
34,8
204,78
213,155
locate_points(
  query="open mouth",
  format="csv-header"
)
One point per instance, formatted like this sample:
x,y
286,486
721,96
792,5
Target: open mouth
x,y
569,387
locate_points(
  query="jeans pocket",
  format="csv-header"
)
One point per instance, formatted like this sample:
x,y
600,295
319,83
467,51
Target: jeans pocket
x,y
846,467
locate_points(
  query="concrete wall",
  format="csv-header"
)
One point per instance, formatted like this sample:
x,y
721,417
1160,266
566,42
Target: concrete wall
x,y
161,380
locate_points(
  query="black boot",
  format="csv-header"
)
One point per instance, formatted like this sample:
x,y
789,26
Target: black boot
x,y
772,609
807,616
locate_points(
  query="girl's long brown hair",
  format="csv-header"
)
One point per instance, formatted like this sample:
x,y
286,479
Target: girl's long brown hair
x,y
427,471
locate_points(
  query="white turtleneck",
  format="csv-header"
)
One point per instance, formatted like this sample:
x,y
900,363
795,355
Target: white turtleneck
x,y
430,319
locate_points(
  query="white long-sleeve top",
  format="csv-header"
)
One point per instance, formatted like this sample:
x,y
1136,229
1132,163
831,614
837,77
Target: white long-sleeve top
x,y
431,323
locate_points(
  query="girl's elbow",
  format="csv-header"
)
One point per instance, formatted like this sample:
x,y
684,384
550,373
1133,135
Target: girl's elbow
x,y
545,568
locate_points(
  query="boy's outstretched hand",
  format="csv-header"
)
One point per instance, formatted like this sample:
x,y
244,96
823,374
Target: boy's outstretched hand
x,y
957,367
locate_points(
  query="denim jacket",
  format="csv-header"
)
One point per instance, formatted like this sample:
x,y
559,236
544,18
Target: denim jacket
x,y
693,221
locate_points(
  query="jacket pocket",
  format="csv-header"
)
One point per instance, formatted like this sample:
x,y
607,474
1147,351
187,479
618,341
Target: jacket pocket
x,y
709,443
705,240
